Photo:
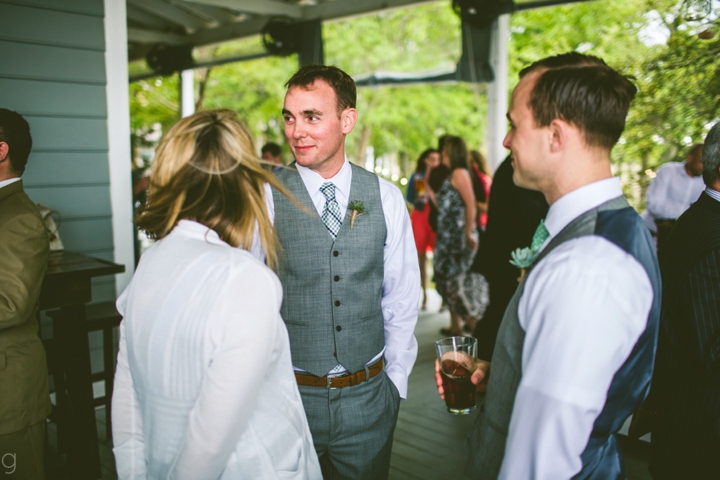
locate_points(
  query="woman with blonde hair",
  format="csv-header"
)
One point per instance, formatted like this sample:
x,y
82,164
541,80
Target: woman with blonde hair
x,y
204,387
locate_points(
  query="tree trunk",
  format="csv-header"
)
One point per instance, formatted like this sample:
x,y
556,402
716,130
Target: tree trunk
x,y
201,77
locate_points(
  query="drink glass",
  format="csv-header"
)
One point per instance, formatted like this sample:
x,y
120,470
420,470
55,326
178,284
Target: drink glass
x,y
457,363
420,186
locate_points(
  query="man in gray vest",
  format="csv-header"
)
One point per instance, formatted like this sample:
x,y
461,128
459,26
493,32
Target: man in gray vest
x,y
350,281
575,349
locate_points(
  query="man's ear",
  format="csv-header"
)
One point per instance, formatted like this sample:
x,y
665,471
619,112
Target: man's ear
x,y
4,149
348,120
558,135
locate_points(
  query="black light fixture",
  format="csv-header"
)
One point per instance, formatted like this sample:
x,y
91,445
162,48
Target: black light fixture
x,y
166,59
281,37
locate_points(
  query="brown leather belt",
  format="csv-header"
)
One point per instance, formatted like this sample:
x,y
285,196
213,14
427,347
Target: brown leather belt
x,y
348,380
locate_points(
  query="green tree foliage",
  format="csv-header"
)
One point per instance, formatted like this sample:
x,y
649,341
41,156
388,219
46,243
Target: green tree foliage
x,y
679,95
153,101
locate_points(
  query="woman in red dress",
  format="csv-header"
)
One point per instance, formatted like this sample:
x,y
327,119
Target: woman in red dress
x,y
416,195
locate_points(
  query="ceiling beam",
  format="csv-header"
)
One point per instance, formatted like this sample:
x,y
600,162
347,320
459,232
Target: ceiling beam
x,y
213,14
258,7
139,35
170,13
349,8
145,18
228,32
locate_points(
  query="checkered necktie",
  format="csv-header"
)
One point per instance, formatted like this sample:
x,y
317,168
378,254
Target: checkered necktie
x,y
331,211
541,234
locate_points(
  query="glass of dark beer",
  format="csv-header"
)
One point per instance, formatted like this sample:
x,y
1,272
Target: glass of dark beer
x,y
457,363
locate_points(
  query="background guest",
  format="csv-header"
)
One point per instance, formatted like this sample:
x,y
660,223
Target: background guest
x,y
686,383
464,292
24,249
272,153
676,186
434,179
419,218
513,215
482,182
204,386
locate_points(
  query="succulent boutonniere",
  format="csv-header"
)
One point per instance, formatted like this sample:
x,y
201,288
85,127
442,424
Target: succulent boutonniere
x,y
523,258
355,209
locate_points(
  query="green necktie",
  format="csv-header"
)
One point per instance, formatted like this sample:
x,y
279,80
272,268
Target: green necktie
x,y
541,234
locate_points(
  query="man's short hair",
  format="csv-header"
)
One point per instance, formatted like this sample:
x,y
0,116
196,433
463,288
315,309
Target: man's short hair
x,y
711,156
271,147
342,84
694,150
15,131
582,90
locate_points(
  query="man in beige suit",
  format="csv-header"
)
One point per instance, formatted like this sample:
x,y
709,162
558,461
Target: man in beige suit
x,y
24,249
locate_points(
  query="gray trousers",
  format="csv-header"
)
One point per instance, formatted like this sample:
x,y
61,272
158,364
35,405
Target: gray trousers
x,y
352,427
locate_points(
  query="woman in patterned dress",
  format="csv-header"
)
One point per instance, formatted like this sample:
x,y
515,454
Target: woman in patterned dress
x,y
465,292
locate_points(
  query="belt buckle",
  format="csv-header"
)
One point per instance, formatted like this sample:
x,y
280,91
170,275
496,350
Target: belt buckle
x,y
329,383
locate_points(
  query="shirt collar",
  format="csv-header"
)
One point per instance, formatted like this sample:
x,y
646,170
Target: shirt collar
x,y
313,181
196,230
573,204
713,193
7,182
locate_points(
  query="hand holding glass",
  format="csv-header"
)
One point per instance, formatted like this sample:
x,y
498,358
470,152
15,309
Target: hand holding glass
x,y
456,356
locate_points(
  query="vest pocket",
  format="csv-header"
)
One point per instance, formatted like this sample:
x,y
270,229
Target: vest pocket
x,y
296,322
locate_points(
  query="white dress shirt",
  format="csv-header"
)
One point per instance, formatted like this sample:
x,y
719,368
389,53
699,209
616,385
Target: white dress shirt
x,y
672,192
401,281
5,183
204,387
713,193
583,308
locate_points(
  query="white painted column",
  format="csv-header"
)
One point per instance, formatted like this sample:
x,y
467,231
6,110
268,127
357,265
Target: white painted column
x,y
497,92
187,93
119,154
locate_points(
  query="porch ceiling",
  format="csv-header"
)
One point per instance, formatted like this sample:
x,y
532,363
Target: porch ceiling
x,y
204,22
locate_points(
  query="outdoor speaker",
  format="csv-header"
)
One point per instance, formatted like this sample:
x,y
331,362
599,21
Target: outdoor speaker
x,y
167,59
281,37
284,37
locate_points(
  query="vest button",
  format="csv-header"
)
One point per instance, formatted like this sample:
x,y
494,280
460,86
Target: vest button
x,y
336,278
336,253
338,328
337,303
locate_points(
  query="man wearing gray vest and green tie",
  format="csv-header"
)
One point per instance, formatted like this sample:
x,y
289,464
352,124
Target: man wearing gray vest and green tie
x,y
575,349
351,281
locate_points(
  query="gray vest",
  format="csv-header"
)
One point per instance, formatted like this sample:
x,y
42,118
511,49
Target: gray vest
x,y
485,446
331,289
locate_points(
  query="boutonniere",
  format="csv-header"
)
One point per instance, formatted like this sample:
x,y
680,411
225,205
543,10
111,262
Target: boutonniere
x,y
523,258
355,209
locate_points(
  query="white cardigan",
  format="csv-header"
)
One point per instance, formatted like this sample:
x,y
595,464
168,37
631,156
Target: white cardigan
x,y
204,387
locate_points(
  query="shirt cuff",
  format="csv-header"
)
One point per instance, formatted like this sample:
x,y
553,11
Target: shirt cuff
x,y
400,381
